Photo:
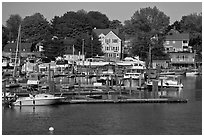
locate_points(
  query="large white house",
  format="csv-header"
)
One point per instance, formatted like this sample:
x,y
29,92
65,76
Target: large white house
x,y
111,43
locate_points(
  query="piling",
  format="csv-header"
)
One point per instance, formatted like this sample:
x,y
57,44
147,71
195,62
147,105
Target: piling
x,y
107,84
140,81
155,88
130,84
111,81
120,83
161,90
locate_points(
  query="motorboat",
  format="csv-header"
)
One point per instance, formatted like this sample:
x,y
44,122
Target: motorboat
x,y
129,61
134,72
168,82
193,72
42,99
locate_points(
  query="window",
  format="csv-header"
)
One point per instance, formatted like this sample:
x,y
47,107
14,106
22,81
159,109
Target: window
x,y
114,40
167,42
107,41
9,49
24,50
185,41
174,42
167,49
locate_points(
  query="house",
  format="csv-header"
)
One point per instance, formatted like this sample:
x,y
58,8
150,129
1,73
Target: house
x,y
25,50
176,41
70,52
177,46
161,63
111,43
182,59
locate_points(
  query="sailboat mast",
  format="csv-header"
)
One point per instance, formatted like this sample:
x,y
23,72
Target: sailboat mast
x,y
17,50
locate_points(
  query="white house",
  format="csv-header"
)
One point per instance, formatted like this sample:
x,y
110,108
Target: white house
x,y
111,43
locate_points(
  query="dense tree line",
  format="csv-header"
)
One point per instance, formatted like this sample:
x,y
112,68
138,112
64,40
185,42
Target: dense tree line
x,y
144,24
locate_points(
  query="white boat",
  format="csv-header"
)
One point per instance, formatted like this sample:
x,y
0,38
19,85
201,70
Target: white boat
x,y
168,82
93,62
38,100
134,72
192,73
129,61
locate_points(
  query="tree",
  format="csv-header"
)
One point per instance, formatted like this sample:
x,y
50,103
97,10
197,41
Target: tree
x,y
77,26
192,24
35,28
71,24
5,38
142,26
53,48
98,20
13,24
115,24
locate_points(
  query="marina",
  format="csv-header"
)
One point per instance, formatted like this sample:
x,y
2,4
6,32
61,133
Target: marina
x,y
81,73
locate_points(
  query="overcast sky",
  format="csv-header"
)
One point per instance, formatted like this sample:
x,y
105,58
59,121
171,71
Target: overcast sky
x,y
114,10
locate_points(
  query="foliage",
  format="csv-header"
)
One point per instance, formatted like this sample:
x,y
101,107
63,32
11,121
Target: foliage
x,y
78,25
115,24
13,24
5,37
53,48
35,28
142,26
98,20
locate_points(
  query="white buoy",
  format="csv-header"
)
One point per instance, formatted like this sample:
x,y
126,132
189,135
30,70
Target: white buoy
x,y
51,129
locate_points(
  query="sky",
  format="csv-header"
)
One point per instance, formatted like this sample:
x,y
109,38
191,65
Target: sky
x,y
114,10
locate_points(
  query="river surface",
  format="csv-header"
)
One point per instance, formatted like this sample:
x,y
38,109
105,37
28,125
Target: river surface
x,y
111,119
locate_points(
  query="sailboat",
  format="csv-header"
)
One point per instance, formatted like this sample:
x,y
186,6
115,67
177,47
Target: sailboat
x,y
12,81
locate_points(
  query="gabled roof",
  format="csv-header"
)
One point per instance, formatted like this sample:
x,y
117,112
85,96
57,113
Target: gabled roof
x,y
13,46
175,35
105,31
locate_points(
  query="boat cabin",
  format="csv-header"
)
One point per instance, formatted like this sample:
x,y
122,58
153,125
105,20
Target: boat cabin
x,y
34,79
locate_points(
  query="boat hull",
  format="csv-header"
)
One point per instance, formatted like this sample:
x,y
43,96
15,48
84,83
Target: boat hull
x,y
38,102
191,73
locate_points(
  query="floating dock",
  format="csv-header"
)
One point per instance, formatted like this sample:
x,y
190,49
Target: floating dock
x,y
156,100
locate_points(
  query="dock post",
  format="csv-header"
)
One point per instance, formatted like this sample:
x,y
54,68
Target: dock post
x,y
111,81
130,84
155,88
120,86
107,83
140,81
161,90
87,76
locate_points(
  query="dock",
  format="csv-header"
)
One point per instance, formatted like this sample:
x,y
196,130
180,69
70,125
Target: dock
x,y
156,100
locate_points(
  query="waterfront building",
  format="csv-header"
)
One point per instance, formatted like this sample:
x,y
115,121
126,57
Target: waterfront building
x,y
111,43
71,53
176,41
177,46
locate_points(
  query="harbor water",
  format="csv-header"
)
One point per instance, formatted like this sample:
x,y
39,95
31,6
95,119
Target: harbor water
x,y
111,119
